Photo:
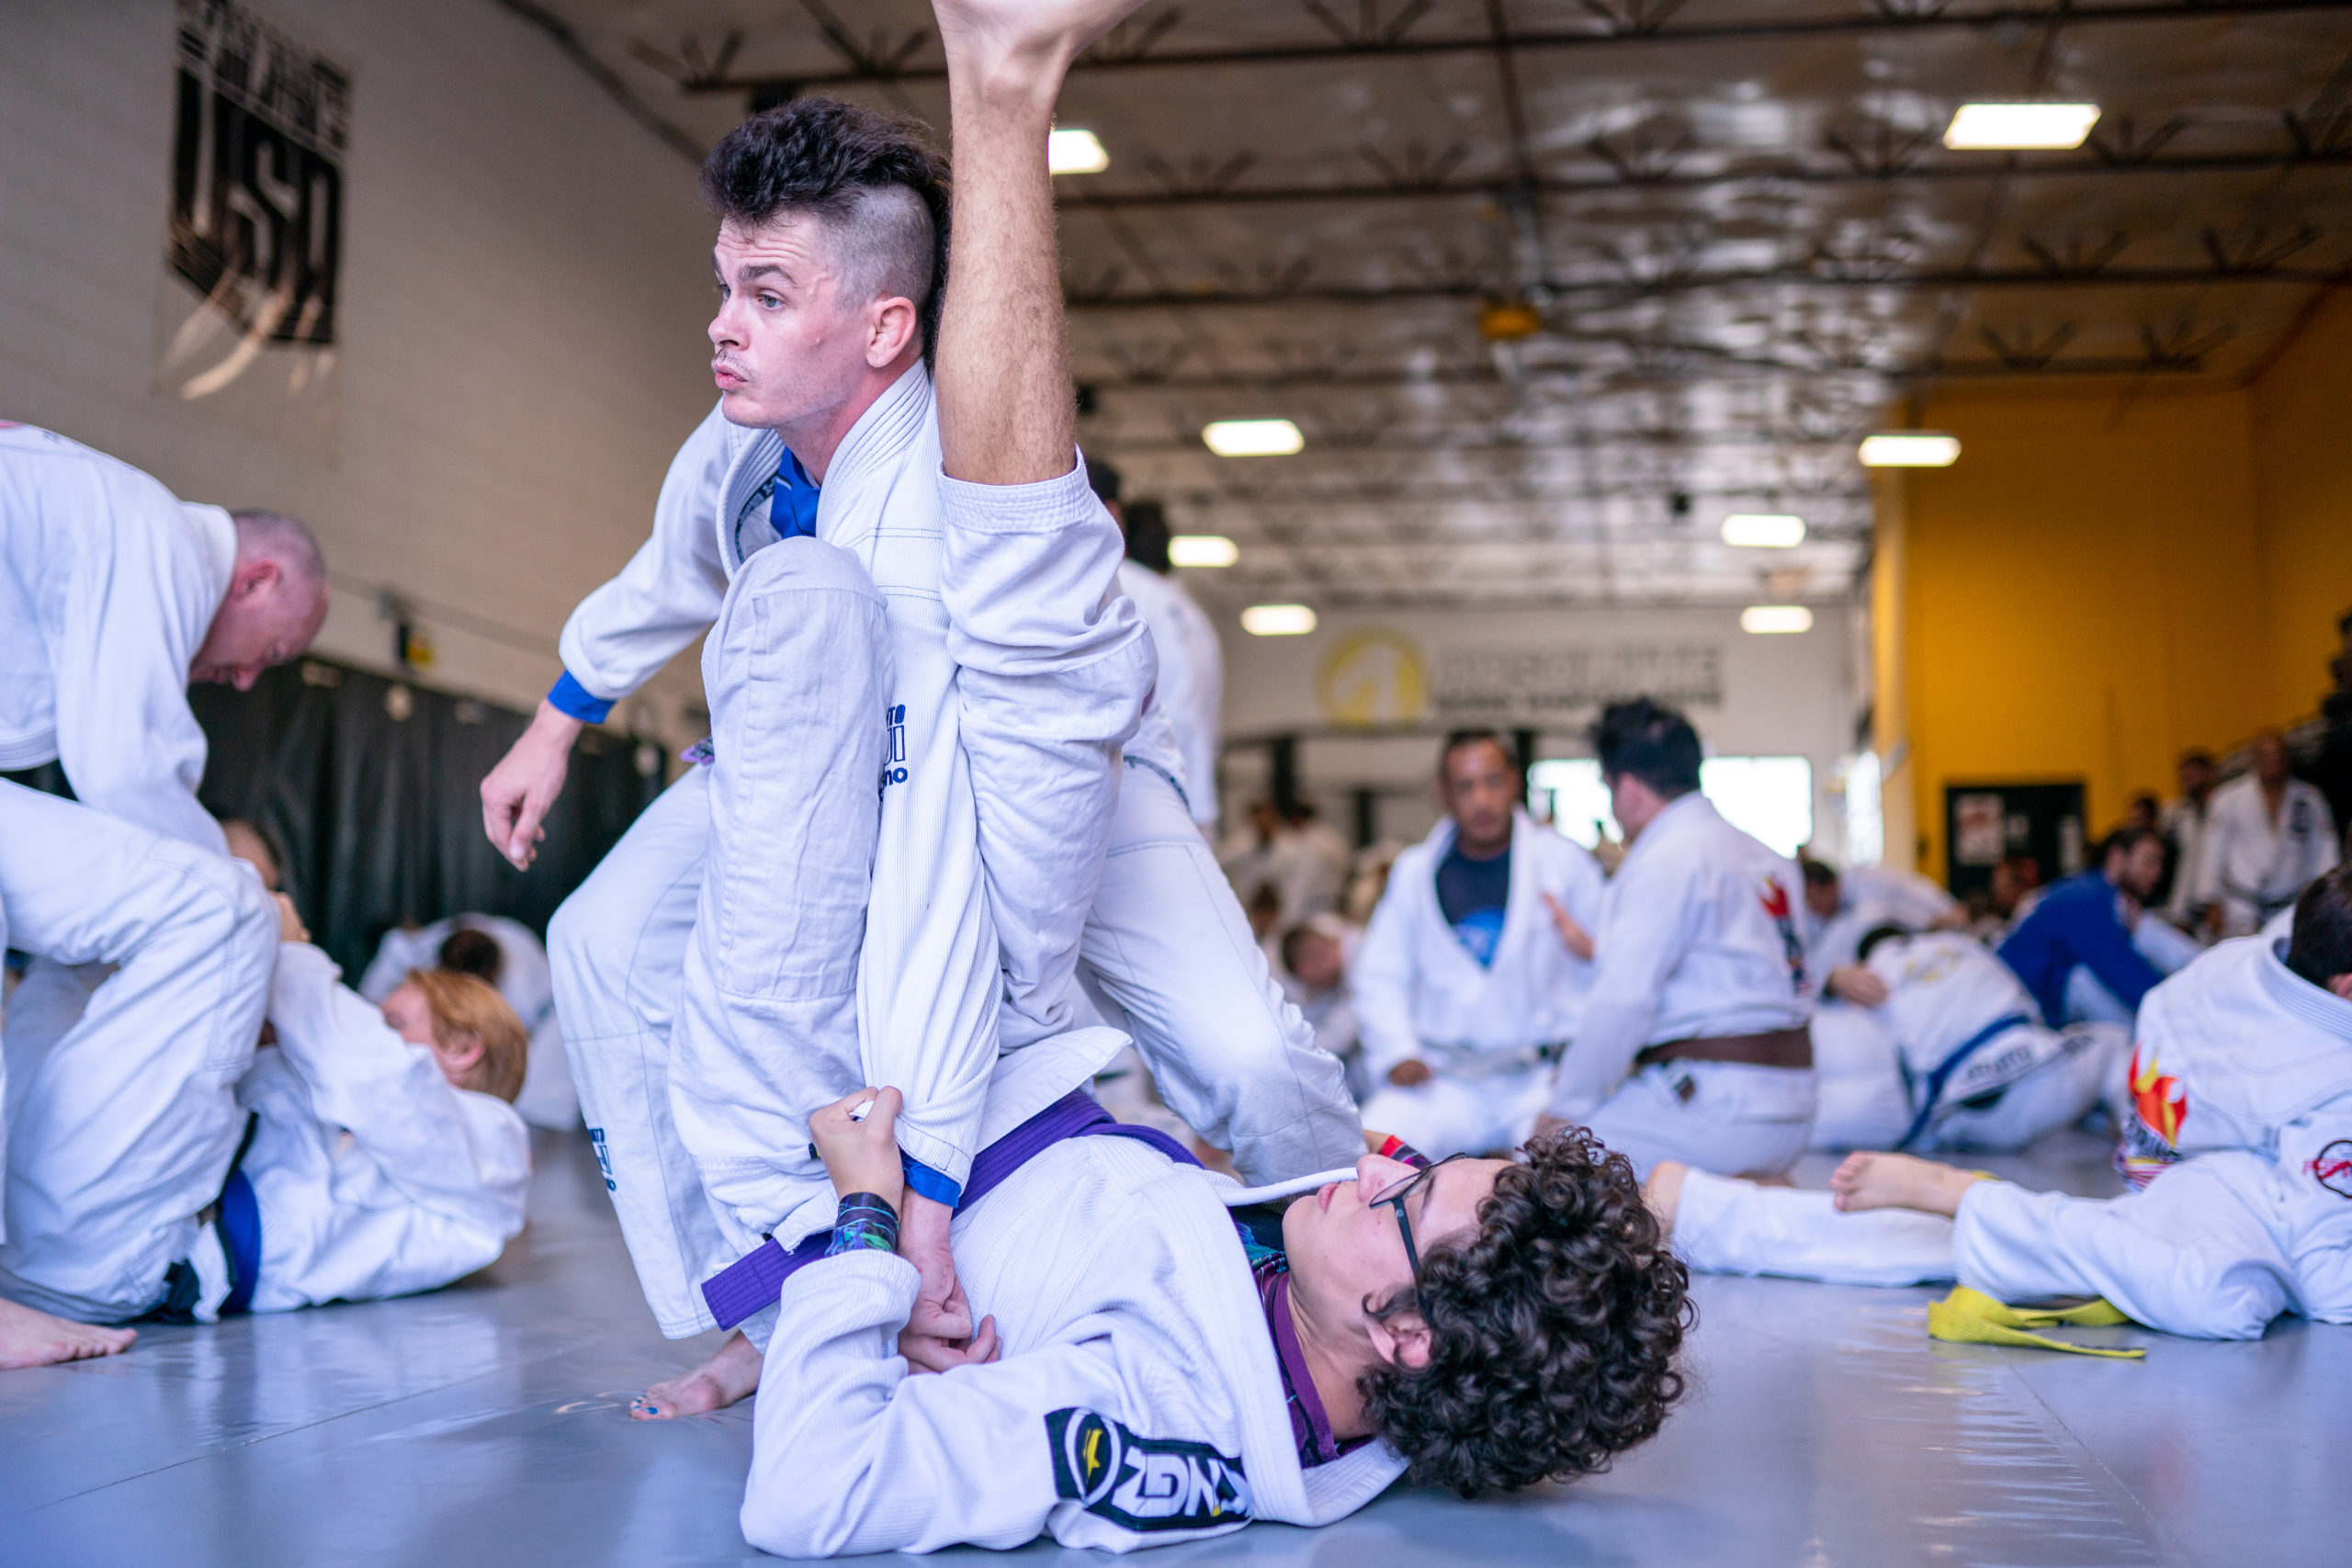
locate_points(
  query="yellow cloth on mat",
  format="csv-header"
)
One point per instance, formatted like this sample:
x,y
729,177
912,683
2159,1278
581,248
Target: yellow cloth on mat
x,y
1972,1317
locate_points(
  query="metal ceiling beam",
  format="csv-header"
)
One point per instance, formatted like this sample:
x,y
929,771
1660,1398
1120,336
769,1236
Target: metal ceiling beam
x,y
1697,282
1711,372
870,68
1779,174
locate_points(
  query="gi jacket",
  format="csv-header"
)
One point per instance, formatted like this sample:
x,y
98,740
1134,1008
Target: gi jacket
x,y
2236,1051
1029,684
374,1174
1418,992
107,586
1138,1401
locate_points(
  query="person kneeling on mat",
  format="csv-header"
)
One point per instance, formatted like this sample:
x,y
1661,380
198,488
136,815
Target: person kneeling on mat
x,y
1163,1360
365,1155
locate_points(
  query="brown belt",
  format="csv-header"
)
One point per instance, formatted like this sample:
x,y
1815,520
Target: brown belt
x,y
1773,1048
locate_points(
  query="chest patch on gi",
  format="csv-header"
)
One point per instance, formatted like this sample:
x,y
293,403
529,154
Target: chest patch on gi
x,y
1144,1484
2332,1169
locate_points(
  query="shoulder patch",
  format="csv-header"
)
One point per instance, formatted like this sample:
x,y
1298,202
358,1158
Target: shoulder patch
x,y
1144,1484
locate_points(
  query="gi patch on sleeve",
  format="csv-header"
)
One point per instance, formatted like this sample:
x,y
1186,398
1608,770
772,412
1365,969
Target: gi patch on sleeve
x,y
1144,1484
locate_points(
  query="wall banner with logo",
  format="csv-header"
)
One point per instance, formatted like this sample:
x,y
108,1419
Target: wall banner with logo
x,y
245,317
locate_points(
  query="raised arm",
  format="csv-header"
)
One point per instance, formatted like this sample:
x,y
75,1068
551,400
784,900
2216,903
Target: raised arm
x,y
1055,666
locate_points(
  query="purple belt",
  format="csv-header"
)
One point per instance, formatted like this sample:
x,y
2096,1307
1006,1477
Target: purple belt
x,y
752,1281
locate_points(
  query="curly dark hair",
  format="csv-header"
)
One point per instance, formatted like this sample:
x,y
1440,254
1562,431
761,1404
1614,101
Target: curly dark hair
x,y
828,158
1555,1329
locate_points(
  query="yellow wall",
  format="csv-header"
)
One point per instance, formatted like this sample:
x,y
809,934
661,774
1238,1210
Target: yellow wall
x,y
2302,449
2111,574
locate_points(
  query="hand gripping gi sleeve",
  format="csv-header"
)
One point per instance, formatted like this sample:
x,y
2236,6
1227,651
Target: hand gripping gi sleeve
x,y
1055,667
401,1111
1650,924
857,1456
669,593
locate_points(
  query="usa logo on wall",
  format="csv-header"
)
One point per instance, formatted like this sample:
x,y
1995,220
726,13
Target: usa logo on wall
x,y
253,249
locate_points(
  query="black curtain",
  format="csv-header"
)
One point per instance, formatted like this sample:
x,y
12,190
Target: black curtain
x,y
368,787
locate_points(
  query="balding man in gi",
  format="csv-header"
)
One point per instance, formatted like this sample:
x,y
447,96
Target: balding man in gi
x,y
114,595
1694,1044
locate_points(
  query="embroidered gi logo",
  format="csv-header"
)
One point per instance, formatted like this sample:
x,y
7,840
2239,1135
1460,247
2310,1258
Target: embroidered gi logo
x,y
1777,904
2333,1168
894,755
603,1159
1144,1484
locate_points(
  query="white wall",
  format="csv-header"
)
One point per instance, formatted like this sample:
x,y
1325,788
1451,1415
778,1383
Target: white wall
x,y
1780,695
524,288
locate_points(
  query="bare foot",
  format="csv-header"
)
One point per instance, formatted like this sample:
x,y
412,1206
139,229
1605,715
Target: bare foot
x,y
1900,1181
1663,1192
30,1339
733,1374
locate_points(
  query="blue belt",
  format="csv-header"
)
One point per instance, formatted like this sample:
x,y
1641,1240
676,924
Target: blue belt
x,y
751,1282
1950,1064
240,1225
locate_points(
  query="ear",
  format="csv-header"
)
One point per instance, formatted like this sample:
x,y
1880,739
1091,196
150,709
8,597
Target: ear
x,y
1403,1340
461,1052
2342,985
258,576
895,325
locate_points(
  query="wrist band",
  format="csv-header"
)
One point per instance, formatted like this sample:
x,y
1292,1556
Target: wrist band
x,y
866,1221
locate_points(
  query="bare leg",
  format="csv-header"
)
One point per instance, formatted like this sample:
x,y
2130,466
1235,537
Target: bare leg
x,y
1900,1181
30,1339
731,1374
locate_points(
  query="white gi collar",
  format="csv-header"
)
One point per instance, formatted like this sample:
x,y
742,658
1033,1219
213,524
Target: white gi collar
x,y
2321,1009
216,532
874,450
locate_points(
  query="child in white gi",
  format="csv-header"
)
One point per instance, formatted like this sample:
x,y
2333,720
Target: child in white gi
x,y
362,1154
2239,1148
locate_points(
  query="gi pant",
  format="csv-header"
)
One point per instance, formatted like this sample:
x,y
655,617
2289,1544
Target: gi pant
x,y
1167,946
1456,1112
1720,1116
2088,1071
2213,1249
724,930
124,1127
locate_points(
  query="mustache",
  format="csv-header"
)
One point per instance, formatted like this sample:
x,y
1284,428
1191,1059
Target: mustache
x,y
730,364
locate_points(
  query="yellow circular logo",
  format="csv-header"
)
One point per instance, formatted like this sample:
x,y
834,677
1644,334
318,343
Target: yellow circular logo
x,y
1373,678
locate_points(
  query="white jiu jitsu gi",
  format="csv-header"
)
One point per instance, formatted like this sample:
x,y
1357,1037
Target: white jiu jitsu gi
x,y
373,1176
1489,1033
2254,867
2241,1144
1698,939
524,979
123,1128
1869,897
1138,1401
107,586
1965,1044
1191,690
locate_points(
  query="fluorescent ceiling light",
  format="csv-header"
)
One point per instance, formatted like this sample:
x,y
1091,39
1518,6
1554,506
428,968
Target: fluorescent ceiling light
x,y
1202,549
1763,619
1278,620
1252,437
1075,152
1909,449
1763,530
2019,127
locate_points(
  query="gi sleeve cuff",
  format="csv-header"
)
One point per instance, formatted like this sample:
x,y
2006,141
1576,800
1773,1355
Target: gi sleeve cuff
x,y
568,696
929,1183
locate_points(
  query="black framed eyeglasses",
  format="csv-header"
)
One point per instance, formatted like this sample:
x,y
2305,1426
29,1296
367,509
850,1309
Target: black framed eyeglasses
x,y
1394,1198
